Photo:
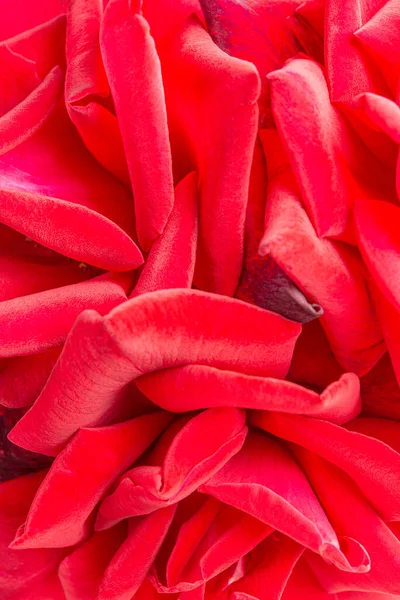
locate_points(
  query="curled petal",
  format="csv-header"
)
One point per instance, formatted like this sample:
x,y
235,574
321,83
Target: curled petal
x,y
264,481
88,465
170,263
134,73
190,388
41,321
102,355
190,459
372,464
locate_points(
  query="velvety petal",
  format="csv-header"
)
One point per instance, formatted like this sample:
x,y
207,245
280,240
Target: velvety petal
x,y
264,481
22,378
127,570
380,113
186,461
359,520
314,12
63,181
102,355
134,73
372,464
384,49
41,321
71,229
212,111
82,571
327,158
263,282
170,263
195,386
20,568
330,273
303,585
349,70
204,542
267,581
389,317
88,96
264,33
26,118
88,465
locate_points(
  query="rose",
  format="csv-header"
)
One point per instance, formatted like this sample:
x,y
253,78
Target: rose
x,y
192,445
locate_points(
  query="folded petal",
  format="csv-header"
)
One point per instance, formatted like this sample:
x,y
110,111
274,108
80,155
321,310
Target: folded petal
x,y
329,273
195,386
88,95
88,465
212,109
372,464
352,515
187,327
171,260
189,459
134,72
327,159
264,481
380,391
82,571
127,570
41,321
22,378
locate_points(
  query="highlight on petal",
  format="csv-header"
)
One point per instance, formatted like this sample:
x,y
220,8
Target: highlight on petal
x,y
88,465
41,321
195,386
102,355
185,457
134,72
253,481
171,260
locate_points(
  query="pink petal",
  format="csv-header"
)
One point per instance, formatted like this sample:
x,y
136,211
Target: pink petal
x,y
134,73
380,391
187,327
41,321
21,16
373,465
186,461
264,481
170,263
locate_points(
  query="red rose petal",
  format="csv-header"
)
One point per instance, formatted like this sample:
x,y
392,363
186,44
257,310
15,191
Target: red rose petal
x,y
212,111
190,459
352,515
127,570
21,17
170,263
134,73
195,386
88,465
373,465
264,481
329,273
102,355
82,571
41,321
